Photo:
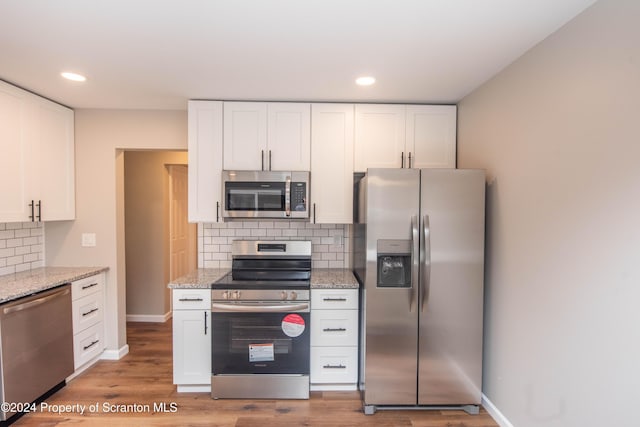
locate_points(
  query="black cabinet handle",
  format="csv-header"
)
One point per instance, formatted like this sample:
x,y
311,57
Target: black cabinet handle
x,y
334,330
89,312
409,159
190,299
262,159
91,345
217,211
205,323
334,299
32,217
89,286
39,210
402,159
269,159
340,366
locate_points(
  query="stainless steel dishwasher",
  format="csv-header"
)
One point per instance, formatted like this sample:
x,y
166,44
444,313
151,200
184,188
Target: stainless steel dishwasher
x,y
36,339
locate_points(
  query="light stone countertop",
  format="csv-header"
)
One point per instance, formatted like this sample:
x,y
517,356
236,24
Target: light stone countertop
x,y
199,278
321,278
333,278
18,285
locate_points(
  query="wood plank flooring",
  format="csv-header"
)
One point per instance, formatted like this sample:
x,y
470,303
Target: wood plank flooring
x,y
143,380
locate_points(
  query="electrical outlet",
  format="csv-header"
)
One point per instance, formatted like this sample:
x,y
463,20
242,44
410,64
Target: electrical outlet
x,y
88,240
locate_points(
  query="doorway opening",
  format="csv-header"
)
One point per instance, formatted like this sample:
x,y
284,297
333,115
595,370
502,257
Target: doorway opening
x,y
160,244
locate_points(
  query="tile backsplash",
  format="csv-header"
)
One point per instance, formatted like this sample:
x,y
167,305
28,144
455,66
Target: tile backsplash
x,y
21,246
329,242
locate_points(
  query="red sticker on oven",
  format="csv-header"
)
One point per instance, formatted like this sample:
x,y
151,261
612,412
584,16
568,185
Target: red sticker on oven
x,y
293,325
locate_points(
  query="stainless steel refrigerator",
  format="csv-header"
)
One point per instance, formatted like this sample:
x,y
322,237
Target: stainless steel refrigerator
x,y
419,254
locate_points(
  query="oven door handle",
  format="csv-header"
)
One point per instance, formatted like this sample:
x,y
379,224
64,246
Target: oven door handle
x,y
259,308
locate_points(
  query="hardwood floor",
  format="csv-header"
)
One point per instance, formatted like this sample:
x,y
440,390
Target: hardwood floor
x,y
133,390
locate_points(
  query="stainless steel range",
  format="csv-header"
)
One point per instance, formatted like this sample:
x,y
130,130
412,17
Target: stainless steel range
x,y
260,315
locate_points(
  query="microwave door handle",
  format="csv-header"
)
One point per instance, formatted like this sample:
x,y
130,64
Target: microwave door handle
x,y
287,197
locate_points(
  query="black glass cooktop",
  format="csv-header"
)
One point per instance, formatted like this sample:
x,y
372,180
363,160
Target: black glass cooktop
x,y
228,282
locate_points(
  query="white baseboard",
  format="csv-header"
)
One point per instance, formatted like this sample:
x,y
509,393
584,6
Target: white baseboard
x,y
194,388
495,412
155,318
115,354
333,387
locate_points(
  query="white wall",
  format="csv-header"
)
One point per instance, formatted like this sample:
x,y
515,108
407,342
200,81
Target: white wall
x,y
100,137
558,132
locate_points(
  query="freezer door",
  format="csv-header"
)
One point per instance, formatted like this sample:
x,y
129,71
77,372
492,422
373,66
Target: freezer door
x,y
451,286
391,311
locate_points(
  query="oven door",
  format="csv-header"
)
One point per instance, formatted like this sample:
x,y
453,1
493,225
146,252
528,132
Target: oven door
x,y
260,338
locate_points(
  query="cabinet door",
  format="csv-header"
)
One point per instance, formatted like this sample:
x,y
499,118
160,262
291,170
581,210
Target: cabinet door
x,y
191,347
380,136
431,135
332,163
54,153
15,149
205,160
289,136
245,135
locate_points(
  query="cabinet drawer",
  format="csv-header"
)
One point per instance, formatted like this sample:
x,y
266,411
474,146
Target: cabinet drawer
x,y
334,365
87,311
88,344
331,299
87,286
192,299
334,327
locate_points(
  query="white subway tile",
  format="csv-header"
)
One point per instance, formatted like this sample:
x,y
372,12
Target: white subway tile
x,y
274,232
320,233
329,256
3,243
37,264
281,224
23,267
25,232
31,240
212,264
265,224
15,260
243,232
320,264
228,232
336,264
219,240
289,233
257,232
21,250
8,252
7,234
305,232
7,270
15,225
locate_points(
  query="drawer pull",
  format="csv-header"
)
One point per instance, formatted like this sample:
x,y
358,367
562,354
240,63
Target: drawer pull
x,y
89,286
334,330
341,366
90,345
334,299
190,299
89,312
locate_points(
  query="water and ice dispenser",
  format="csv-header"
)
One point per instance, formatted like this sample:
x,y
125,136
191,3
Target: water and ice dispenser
x,y
394,263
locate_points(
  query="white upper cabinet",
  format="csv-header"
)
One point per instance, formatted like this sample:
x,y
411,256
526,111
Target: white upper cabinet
x,y
332,163
205,160
405,136
267,136
245,135
37,168
15,149
54,154
431,135
289,136
380,136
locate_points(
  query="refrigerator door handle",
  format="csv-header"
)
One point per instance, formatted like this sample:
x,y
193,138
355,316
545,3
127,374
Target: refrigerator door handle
x,y
426,271
415,259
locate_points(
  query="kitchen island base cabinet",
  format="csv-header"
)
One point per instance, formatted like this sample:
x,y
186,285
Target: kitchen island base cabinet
x,y
192,340
334,339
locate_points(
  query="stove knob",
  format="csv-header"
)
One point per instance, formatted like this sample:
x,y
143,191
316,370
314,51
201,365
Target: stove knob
x,y
293,295
283,295
235,295
225,295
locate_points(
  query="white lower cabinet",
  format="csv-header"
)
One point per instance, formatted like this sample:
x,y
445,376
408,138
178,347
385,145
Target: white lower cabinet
x,y
88,320
192,340
334,339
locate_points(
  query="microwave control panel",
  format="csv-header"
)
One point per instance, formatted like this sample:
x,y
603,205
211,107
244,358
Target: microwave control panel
x,y
298,196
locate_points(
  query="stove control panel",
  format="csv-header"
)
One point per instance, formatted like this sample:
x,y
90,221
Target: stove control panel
x,y
260,295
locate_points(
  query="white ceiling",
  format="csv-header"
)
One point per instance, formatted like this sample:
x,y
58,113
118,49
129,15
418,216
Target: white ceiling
x,y
140,54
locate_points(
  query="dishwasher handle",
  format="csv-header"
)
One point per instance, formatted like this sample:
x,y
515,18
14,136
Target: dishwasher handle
x,y
34,303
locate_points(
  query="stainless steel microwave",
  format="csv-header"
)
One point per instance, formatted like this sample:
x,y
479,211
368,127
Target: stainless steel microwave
x,y
265,194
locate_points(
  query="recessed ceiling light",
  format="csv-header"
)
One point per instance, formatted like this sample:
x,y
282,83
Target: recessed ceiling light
x,y
73,76
365,81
